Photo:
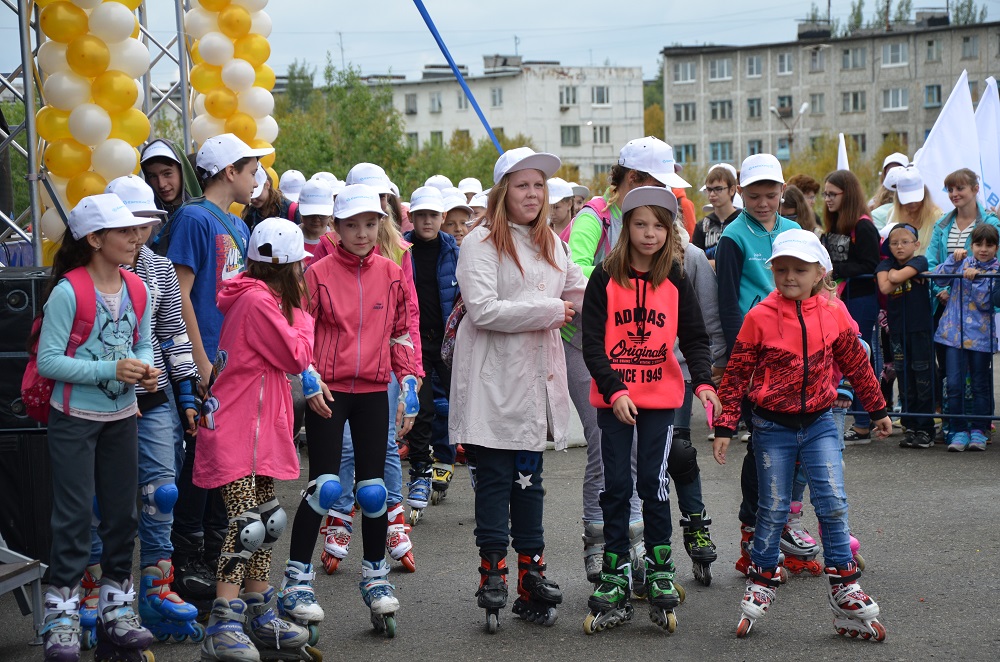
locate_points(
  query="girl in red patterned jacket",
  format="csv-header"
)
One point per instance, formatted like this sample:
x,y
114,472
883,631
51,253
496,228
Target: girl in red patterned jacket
x,y
785,355
633,310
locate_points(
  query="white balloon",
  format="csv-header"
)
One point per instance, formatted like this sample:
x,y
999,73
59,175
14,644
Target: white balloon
x,y
199,104
65,90
204,127
52,224
267,129
216,48
256,102
198,22
113,158
58,185
130,56
89,124
260,23
52,57
139,97
112,22
251,5
87,4
238,75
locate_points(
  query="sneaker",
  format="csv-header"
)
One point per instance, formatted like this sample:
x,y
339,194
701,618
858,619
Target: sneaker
x,y
854,438
978,441
909,440
959,442
711,436
922,439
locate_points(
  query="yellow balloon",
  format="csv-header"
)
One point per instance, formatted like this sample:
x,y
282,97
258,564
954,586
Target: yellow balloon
x,y
220,103
49,250
253,48
234,21
84,184
114,91
268,159
213,5
67,158
52,124
131,4
272,175
195,55
138,162
88,56
236,209
135,30
264,78
63,21
205,77
131,125
240,124
42,4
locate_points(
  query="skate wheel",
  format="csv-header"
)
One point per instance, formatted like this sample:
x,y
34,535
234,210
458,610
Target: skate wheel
x,y
436,497
743,629
671,622
841,631
588,624
854,634
330,562
178,638
860,561
315,654
706,575
163,637
866,635
88,640
681,593
147,656
408,562
415,514
199,633
390,626
313,634
492,623
880,632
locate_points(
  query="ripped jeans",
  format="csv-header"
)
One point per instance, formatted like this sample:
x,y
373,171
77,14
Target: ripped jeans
x,y
817,447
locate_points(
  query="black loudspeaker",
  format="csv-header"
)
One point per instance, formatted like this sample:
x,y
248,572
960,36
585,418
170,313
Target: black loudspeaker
x,y
26,494
21,291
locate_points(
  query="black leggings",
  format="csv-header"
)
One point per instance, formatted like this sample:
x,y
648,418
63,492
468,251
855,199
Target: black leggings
x,y
367,414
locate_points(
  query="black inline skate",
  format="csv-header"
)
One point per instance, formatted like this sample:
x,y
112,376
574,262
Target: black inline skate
x,y
699,546
492,593
537,596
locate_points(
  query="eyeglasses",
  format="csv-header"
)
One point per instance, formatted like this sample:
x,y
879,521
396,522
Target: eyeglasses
x,y
716,189
902,242
828,195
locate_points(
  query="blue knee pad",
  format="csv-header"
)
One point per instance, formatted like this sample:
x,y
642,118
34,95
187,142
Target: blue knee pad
x,y
323,492
371,496
158,499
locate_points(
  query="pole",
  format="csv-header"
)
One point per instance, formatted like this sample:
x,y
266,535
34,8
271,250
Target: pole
x,y
24,30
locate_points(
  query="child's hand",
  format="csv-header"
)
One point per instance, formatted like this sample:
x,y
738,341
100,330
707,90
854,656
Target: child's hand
x,y
717,374
719,447
960,254
150,379
970,273
625,410
403,423
882,427
943,296
130,371
710,398
843,403
318,404
568,312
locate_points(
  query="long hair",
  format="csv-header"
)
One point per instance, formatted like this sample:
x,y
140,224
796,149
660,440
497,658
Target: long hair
x,y
270,209
882,196
389,238
618,263
852,203
285,281
395,210
617,178
500,232
804,216
923,220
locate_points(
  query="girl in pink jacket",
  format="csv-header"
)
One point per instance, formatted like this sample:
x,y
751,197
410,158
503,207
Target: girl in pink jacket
x,y
246,437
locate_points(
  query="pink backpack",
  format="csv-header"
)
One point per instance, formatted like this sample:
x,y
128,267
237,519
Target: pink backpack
x,y
599,206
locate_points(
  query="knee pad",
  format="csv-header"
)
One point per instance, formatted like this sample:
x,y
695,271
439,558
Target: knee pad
x,y
250,535
275,519
682,463
158,499
371,496
323,492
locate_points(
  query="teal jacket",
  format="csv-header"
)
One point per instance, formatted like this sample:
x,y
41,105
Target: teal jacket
x,y
937,252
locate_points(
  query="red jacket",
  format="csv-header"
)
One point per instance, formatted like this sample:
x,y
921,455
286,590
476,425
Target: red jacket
x,y
787,384
362,323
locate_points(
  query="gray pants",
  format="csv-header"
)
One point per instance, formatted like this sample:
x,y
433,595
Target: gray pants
x,y
578,379
92,458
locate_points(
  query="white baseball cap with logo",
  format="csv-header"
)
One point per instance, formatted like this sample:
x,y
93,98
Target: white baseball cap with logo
x,y
525,158
440,182
226,149
369,174
470,185
276,241
291,184
896,157
909,184
316,199
801,244
479,200
760,168
357,199
427,198
104,211
136,194
456,202
653,156
559,189
158,149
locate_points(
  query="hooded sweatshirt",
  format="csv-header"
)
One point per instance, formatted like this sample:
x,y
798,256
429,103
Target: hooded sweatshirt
x,y
190,186
248,425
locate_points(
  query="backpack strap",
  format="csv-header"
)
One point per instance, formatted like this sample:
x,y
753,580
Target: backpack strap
x,y
600,207
83,320
292,208
137,294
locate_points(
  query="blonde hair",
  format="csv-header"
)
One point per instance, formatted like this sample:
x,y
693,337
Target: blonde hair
x,y
618,263
500,234
924,220
389,239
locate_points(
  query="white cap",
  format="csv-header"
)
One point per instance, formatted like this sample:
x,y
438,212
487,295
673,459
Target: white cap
x,y
103,211
654,156
450,190
259,180
369,174
394,189
336,187
727,166
760,168
524,158
896,157
284,238
559,189
427,198
225,149
889,181
580,190
324,176
470,185
440,182
801,244
357,199
316,199
456,202
158,148
291,184
650,196
136,194
480,199
909,185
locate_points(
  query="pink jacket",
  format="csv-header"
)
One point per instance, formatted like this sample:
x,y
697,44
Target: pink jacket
x,y
247,425
362,321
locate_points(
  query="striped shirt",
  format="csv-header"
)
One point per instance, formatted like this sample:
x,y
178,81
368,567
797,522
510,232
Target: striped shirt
x,y
958,238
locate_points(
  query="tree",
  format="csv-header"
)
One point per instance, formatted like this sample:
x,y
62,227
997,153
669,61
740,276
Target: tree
x,y
300,84
902,13
652,90
966,12
653,122
857,16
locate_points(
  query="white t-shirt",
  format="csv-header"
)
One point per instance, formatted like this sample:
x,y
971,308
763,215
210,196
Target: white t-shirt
x,y
113,301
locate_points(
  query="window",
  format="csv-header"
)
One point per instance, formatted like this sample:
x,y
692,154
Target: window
x,y
894,55
567,95
685,72
462,135
785,105
435,98
860,141
497,131
753,108
853,102
570,136
974,90
685,153
754,67
411,104
817,104
901,136
754,147
854,58
933,50
970,47
602,134
721,110
684,112
437,139
463,101
784,64
896,98
496,97
721,151
601,170
721,69
784,151
817,60
600,95
413,141
932,96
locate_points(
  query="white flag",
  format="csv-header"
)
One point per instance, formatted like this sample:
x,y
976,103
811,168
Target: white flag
x,y
842,163
988,127
952,144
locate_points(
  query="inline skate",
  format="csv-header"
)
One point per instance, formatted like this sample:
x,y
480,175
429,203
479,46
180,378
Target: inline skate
x,y
637,554
855,613
800,548
61,629
761,587
297,600
163,612
746,544
397,543
273,637
609,604
194,580
337,529
441,475
419,489
537,595
855,547
120,635
664,595
492,593
91,585
377,593
699,546
225,638
593,550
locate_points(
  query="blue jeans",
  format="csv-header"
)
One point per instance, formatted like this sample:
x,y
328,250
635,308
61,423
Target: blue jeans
x,y
959,363
840,421
818,449
864,310
393,467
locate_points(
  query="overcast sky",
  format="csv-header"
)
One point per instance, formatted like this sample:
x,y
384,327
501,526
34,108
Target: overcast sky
x,y
380,36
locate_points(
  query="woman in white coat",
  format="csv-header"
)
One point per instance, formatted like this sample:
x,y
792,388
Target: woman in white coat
x,y
509,381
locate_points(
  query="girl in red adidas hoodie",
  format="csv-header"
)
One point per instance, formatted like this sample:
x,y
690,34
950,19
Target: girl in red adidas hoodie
x,y
638,302
785,355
